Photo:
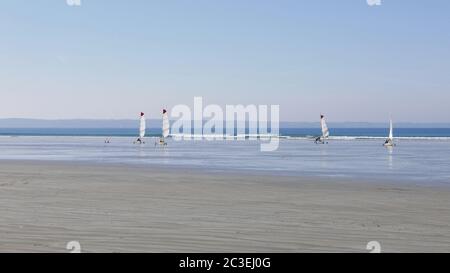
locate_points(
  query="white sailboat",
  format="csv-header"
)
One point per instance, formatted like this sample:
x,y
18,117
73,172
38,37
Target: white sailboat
x,y
390,140
165,128
142,128
325,132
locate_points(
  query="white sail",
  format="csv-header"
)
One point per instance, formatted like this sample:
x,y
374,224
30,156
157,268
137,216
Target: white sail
x,y
391,131
142,126
390,140
166,124
325,131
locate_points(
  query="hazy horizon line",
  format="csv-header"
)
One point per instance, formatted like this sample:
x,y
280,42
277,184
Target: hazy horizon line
x,y
10,123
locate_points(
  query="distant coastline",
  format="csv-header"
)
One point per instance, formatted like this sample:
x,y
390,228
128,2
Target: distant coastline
x,y
16,123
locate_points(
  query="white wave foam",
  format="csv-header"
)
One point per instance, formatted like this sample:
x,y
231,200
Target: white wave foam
x,y
348,138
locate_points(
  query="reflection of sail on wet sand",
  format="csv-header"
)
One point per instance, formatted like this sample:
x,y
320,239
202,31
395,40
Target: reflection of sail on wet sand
x,y
324,156
390,158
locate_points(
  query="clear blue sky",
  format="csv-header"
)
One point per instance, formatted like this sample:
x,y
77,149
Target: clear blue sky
x,y
115,58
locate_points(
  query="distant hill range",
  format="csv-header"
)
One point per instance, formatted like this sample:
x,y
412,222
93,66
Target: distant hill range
x,y
155,123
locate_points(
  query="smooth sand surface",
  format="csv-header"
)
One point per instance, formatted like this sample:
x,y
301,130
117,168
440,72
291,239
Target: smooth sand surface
x,y
135,209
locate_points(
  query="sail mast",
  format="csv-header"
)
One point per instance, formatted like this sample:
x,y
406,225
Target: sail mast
x,y
166,124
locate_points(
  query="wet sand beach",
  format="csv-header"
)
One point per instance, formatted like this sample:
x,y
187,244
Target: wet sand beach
x,y
113,208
